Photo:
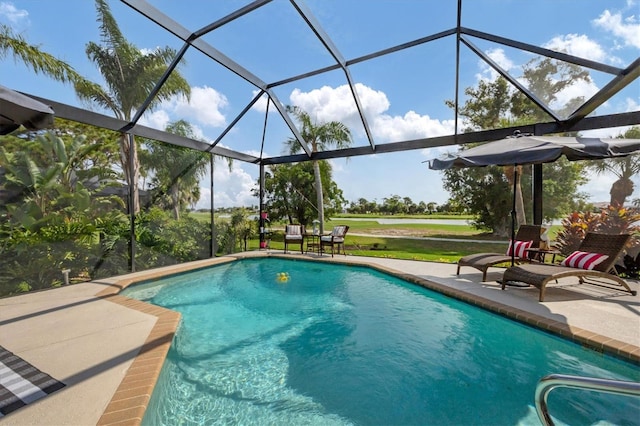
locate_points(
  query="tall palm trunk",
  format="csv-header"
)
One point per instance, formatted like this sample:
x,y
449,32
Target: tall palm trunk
x,y
319,195
521,216
175,201
127,149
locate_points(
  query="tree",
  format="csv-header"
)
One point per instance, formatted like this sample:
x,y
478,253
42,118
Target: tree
x,y
286,186
320,136
494,104
623,168
36,59
130,75
177,169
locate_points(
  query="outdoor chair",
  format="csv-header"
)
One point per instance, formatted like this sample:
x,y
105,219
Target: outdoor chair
x,y
335,238
596,257
294,234
528,236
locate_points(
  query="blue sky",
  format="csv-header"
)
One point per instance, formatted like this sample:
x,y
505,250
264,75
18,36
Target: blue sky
x,y
403,94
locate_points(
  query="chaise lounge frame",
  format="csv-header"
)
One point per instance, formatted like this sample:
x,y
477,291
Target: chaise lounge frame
x,y
539,275
483,261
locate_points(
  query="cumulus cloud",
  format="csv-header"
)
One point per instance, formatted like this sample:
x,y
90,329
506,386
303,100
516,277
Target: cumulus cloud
x,y
627,29
261,104
9,12
204,108
337,104
577,45
231,189
499,57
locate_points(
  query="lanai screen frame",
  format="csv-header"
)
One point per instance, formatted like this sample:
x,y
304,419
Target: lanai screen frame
x,y
576,121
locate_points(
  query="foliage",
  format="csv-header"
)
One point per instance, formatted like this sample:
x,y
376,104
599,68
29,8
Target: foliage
x,y
485,192
176,170
163,240
612,220
35,58
233,235
131,75
320,137
624,168
287,189
494,104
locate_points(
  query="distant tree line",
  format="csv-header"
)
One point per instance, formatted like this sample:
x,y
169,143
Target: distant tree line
x,y
395,204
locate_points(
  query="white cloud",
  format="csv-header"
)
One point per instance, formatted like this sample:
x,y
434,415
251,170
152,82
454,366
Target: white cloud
x,y
231,189
12,14
499,57
337,104
261,104
574,90
205,107
628,29
157,119
577,45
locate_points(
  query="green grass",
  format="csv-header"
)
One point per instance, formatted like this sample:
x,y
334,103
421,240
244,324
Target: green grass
x,y
401,248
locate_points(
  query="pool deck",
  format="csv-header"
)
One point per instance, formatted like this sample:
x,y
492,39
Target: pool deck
x,y
109,349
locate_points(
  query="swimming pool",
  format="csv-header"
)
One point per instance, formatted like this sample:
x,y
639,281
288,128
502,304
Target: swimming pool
x,y
340,344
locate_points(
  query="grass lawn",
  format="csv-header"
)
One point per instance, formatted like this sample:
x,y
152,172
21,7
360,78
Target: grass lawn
x,y
376,243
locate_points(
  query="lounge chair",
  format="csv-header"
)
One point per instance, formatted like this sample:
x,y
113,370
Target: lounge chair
x,y
594,244
294,234
482,261
335,238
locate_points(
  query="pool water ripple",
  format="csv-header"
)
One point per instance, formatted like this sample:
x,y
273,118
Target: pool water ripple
x,y
348,345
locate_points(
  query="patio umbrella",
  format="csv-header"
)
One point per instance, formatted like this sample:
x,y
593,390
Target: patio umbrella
x,y
522,149
17,109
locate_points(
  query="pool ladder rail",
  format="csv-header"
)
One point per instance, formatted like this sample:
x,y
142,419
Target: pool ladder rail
x,y
552,381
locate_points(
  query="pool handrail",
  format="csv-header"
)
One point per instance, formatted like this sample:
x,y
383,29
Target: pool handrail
x,y
552,381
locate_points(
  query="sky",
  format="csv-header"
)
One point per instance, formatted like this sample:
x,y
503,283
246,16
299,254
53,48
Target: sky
x,y
403,94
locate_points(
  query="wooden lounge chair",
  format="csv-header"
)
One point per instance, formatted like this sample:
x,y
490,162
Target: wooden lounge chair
x,y
482,261
294,234
335,238
539,274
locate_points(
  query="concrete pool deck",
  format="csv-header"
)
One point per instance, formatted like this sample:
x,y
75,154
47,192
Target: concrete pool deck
x,y
109,349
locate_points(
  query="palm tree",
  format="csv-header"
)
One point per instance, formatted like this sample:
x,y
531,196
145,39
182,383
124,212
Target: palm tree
x,y
623,168
130,76
320,136
31,55
178,169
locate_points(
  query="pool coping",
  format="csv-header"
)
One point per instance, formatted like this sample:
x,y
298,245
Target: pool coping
x,y
130,401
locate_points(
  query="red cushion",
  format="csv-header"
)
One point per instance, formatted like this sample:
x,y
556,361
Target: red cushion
x,y
520,248
584,260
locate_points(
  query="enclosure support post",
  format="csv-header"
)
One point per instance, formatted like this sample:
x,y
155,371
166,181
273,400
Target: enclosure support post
x,y
214,242
262,214
132,212
537,194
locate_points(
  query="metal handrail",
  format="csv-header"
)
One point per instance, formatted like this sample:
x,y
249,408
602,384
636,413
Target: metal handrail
x,y
552,381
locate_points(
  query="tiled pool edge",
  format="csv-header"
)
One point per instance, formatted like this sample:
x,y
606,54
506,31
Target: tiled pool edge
x,y
130,401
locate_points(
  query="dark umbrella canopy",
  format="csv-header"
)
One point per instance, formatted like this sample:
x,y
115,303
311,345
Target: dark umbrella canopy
x,y
520,150
17,109
536,150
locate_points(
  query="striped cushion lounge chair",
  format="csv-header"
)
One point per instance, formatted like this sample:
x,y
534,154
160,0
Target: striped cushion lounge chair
x,y
483,261
606,248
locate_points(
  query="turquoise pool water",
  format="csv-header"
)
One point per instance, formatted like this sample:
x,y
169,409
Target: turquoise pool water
x,y
338,345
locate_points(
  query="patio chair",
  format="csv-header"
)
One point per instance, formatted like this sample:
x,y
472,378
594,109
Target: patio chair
x,y
335,238
596,257
528,236
294,234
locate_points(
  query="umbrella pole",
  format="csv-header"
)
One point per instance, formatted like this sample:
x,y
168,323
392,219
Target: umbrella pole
x,y
513,216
